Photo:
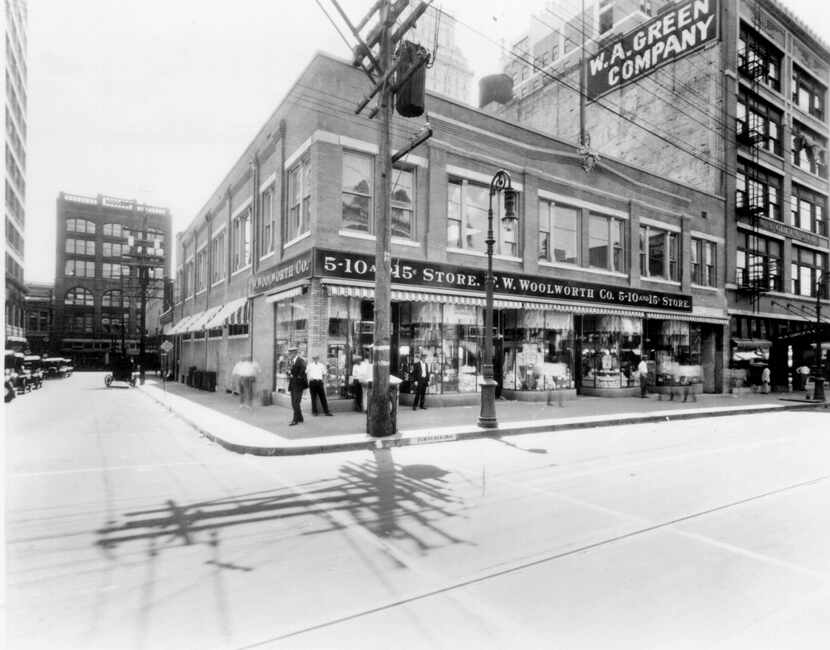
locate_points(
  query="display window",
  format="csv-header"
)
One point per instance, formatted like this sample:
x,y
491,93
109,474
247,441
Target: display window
x,y
291,329
610,351
675,347
538,350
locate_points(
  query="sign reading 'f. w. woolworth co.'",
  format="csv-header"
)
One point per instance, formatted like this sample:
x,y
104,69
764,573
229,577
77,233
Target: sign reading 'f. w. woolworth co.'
x,y
351,266
672,34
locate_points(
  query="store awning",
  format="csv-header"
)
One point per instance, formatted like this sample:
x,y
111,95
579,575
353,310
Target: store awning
x,y
240,315
572,308
423,296
688,317
223,313
284,295
200,320
181,326
751,344
350,291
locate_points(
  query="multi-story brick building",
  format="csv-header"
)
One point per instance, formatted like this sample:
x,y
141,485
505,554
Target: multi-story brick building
x,y
14,59
727,96
39,315
102,245
283,250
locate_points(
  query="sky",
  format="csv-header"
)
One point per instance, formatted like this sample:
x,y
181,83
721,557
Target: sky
x,y
154,100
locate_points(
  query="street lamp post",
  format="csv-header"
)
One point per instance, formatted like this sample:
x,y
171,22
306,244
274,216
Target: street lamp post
x,y
818,371
499,183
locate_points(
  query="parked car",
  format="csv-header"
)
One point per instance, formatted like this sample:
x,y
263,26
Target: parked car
x,y
15,375
57,367
33,367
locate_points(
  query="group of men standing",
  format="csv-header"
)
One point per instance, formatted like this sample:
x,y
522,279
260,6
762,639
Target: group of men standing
x,y
301,376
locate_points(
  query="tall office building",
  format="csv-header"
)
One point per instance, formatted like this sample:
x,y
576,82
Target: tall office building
x,y
14,65
726,96
109,253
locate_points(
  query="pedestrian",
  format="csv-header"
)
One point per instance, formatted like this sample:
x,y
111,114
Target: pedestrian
x,y
297,382
765,380
498,364
246,371
803,374
316,385
420,375
365,374
357,388
642,371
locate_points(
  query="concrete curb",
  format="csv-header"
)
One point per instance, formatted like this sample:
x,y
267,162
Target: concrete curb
x,y
361,441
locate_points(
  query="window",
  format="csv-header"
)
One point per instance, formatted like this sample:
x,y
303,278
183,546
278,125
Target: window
x,y
358,172
241,242
758,60
703,262
81,323
201,270
758,124
808,94
299,199
659,253
757,192
218,257
80,246
403,192
806,270
109,249
114,271
80,225
808,150
559,227
79,268
467,206
180,292
265,238
114,298
606,243
758,262
79,297
189,279
113,230
606,15
807,209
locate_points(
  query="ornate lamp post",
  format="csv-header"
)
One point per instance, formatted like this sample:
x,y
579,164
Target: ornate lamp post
x,y
499,183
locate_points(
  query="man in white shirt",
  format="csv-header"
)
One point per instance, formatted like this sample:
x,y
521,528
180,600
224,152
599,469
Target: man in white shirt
x,y
642,371
316,373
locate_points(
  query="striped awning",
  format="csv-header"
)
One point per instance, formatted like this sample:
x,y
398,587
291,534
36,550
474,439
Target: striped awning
x,y
572,308
350,291
182,325
241,315
284,295
201,319
221,315
688,317
423,296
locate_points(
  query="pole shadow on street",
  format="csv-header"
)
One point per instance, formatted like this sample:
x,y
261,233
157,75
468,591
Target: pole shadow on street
x,y
403,503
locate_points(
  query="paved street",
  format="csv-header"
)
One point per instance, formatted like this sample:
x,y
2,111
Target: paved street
x,y
126,529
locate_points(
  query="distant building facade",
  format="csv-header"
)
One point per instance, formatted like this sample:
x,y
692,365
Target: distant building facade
x,y
727,96
14,58
102,245
39,316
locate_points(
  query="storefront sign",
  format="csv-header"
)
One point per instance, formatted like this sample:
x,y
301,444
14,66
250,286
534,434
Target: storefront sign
x,y
445,277
293,269
665,38
785,230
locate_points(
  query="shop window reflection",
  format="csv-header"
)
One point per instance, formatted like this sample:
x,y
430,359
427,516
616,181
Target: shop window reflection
x,y
538,350
611,347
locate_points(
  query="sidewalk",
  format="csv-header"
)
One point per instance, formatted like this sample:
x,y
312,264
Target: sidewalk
x,y
264,430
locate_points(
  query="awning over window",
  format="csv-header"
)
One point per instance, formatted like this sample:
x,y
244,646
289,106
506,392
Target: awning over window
x,y
181,326
284,295
573,308
350,291
224,313
200,320
685,316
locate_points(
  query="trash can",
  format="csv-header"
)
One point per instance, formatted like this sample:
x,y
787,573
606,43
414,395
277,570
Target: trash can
x,y
393,396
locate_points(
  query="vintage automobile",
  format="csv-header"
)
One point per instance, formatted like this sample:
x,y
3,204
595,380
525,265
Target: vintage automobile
x,y
33,367
57,367
121,369
15,377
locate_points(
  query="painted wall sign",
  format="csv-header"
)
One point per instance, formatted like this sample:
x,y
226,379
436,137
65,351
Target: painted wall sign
x,y
351,266
283,273
667,37
787,231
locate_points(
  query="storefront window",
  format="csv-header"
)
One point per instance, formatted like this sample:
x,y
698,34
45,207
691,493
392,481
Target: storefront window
x,y
343,314
611,347
538,350
675,347
291,329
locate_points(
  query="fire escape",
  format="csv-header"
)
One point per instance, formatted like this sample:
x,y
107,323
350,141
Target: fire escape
x,y
755,280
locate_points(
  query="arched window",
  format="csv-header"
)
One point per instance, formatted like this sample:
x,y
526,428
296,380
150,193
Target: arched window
x,y
113,298
80,225
79,296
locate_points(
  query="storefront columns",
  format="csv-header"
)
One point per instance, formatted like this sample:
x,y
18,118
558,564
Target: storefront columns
x,y
633,245
317,319
685,253
712,376
529,222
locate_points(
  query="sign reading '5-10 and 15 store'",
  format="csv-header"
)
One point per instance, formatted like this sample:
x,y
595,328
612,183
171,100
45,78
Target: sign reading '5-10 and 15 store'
x,y
444,277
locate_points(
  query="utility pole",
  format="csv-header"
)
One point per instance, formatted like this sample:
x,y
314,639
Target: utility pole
x,y
389,74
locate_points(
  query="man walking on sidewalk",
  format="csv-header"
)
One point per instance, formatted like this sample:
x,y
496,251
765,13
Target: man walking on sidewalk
x,y
246,370
642,371
297,383
316,385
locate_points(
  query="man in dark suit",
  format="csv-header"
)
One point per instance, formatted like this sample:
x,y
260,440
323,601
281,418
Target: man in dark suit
x,y
297,382
420,376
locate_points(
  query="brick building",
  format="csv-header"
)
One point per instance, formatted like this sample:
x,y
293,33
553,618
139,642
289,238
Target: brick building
x,y
39,315
102,243
282,253
738,110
